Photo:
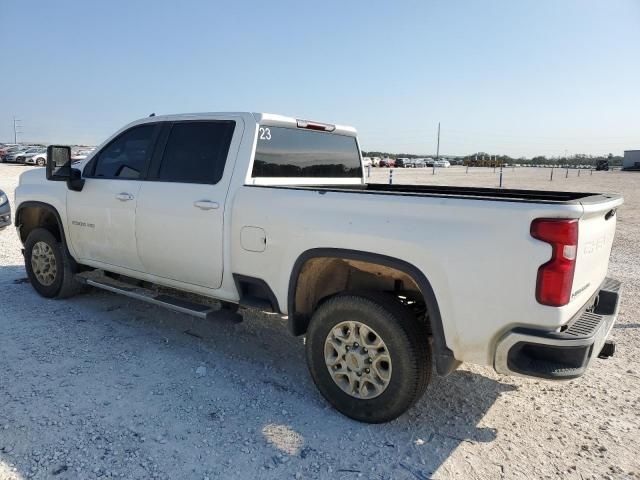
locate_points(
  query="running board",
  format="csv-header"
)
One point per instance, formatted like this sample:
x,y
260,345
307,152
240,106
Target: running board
x,y
159,299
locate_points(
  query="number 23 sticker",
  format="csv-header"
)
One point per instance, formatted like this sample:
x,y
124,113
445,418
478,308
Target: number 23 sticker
x,y
265,133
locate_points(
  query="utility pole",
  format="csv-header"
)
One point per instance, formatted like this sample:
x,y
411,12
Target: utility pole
x,y
16,126
437,151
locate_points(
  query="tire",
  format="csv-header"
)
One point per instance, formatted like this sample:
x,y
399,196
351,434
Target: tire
x,y
406,342
40,161
58,282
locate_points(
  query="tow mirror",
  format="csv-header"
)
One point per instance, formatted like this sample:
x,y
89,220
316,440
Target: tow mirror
x,y
59,167
58,163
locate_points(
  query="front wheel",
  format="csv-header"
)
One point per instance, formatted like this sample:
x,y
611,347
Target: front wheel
x,y
368,355
40,162
49,267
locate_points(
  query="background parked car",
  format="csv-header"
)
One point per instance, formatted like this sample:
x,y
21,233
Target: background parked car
x,y
80,153
444,163
39,159
5,211
404,163
5,148
419,163
367,162
19,155
387,162
8,150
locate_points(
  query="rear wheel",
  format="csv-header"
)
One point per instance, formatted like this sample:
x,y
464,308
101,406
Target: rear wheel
x,y
368,355
40,161
49,268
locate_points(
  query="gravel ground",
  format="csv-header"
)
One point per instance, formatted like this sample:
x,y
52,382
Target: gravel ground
x,y
100,386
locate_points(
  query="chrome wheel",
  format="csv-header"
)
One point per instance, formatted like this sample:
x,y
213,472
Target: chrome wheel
x,y
358,360
43,263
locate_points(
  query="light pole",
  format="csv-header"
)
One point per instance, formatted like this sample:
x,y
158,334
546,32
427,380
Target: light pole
x,y
16,126
437,150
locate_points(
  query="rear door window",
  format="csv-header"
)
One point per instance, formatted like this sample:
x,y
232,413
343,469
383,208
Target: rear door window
x,y
196,152
291,152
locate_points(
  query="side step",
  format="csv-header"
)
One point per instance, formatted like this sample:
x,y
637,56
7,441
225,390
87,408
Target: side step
x,y
169,302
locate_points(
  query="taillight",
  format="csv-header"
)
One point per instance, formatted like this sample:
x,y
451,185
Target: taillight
x,y
555,278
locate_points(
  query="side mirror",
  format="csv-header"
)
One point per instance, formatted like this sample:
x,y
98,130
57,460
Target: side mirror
x,y
58,163
59,167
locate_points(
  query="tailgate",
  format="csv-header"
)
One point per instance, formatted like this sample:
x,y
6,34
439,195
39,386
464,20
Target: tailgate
x,y
596,230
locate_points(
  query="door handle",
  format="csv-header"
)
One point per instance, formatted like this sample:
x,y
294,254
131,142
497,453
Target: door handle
x,y
206,205
124,197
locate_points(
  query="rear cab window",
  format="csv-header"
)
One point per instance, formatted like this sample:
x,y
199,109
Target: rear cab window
x,y
297,153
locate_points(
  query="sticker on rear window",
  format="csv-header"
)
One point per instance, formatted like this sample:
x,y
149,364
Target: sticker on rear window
x,y
265,133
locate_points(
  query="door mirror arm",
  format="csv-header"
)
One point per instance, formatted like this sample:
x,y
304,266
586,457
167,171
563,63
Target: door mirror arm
x,y
75,181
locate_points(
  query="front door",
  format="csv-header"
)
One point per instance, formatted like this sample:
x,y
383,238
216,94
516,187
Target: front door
x,y
102,217
180,211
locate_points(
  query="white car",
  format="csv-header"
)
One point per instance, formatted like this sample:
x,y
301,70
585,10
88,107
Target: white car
x,y
80,154
366,162
20,155
443,163
39,159
274,213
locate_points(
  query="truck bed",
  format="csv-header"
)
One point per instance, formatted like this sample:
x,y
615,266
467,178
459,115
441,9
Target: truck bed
x,y
475,193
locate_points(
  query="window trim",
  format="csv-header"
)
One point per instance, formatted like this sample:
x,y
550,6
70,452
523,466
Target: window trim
x,y
163,139
90,168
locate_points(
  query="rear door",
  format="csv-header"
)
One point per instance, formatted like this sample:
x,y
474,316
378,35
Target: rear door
x,y
180,212
101,217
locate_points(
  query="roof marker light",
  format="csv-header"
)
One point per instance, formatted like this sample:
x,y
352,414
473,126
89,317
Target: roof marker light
x,y
324,127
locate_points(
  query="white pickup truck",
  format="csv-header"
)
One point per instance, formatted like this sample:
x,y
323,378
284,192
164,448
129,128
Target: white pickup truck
x,y
385,281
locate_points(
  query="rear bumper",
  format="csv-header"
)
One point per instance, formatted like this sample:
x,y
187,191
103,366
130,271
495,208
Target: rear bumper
x,y
565,354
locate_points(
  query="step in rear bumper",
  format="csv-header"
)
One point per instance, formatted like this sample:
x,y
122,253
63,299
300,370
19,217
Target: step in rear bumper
x,y
565,354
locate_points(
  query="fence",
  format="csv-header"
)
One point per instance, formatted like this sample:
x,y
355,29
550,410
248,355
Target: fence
x,y
501,174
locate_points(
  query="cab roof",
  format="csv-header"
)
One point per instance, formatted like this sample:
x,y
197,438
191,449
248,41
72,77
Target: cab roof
x,y
270,119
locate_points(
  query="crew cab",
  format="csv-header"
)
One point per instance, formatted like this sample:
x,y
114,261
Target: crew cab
x,y
387,282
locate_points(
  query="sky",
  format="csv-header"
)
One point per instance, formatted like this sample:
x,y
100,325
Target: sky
x,y
522,78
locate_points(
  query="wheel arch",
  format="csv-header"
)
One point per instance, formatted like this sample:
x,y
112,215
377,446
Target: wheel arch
x,y
34,214
298,321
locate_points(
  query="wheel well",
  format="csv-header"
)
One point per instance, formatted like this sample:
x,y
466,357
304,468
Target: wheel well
x,y
38,216
320,273
321,278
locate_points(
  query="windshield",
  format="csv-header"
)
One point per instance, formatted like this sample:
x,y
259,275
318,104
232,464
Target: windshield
x,y
291,152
